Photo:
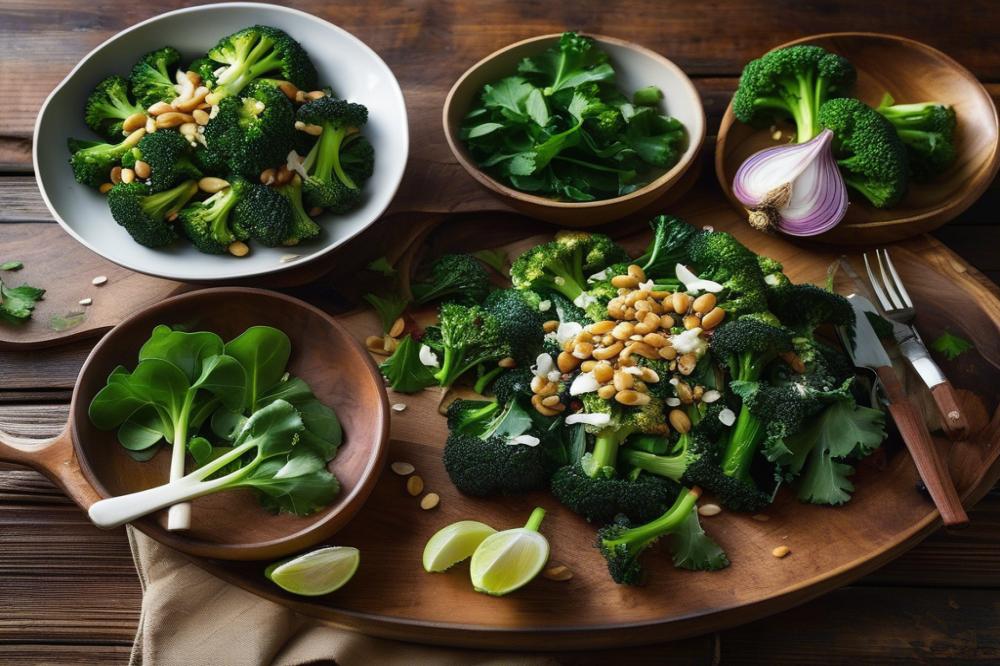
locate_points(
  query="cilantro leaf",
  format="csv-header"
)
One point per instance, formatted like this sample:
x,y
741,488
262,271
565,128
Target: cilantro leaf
x,y
951,346
16,304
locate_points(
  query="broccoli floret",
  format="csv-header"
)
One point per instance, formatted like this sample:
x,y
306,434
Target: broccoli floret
x,y
469,416
92,161
520,324
144,214
108,105
454,277
329,185
622,545
927,129
207,223
258,52
513,383
625,422
718,256
168,155
252,133
870,154
302,227
667,248
792,82
805,307
564,264
357,157
469,336
152,78
263,214
205,68
600,499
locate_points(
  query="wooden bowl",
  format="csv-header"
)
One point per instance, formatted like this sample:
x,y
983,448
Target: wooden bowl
x,y
90,464
911,72
636,67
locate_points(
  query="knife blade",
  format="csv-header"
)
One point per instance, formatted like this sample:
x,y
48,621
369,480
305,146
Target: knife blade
x,y
867,351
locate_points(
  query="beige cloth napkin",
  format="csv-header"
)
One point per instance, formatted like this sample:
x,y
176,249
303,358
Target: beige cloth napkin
x,y
190,617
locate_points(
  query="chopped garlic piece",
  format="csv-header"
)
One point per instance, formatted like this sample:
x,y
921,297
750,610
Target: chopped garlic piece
x,y
544,306
554,376
673,402
566,331
711,395
633,370
527,440
293,162
588,419
583,300
543,366
693,283
599,276
689,341
585,382
428,357
727,417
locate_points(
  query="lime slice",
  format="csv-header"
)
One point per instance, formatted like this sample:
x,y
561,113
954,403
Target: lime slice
x,y
319,572
454,543
507,560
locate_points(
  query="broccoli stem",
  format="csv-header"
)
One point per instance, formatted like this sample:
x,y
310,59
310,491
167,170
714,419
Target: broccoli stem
x,y
605,452
328,157
746,436
486,379
535,519
451,367
637,538
671,467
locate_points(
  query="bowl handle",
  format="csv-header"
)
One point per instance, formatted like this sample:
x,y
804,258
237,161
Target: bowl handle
x,y
55,459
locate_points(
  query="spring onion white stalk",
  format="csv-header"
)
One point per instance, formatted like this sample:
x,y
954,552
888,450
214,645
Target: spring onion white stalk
x,y
796,189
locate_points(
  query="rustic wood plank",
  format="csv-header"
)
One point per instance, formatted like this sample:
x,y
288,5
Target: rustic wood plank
x,y
15,654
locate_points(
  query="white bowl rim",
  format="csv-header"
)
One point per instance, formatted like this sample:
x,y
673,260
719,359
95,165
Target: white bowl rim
x,y
395,90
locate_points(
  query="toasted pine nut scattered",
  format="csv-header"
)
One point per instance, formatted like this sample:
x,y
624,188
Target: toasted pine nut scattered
x,y
429,501
402,468
316,94
142,169
691,321
606,392
116,174
200,116
624,282
709,510
300,96
781,551
312,130
86,301
105,188
134,122
238,249
559,572
536,402
713,318
704,303
374,344
267,177
150,125
289,89
173,119
679,420
681,302
397,327
399,407
159,108
389,343
211,184
507,362
285,258
127,175
188,130
172,215
550,325
415,485
283,175
99,280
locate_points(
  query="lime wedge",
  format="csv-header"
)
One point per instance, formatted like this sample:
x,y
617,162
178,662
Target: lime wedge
x,y
454,543
319,572
507,560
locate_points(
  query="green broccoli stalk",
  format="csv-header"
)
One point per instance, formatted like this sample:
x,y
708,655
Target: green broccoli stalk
x,y
302,226
469,336
622,545
563,265
927,129
869,152
258,52
92,161
152,78
328,184
456,277
168,155
108,106
144,215
207,223
625,422
792,82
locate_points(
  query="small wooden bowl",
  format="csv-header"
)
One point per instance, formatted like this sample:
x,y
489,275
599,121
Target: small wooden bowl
x,y
911,72
89,464
636,67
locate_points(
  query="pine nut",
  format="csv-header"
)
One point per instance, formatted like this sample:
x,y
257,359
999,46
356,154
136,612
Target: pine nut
x,y
548,388
635,270
603,372
200,116
374,344
159,108
316,94
679,420
686,363
267,177
668,353
116,174
538,383
567,362
189,105
397,327
781,551
550,325
601,327
415,485
188,130
283,176
568,345
105,188
704,303
558,573
173,119
624,282
429,501
660,295
691,321
680,301
551,401
289,89
713,318
588,365
536,402
583,350
389,343
643,350
709,510
698,392
507,362
300,96
606,392
642,307
584,336
211,184
238,249
683,392
631,397
666,321
649,375
142,169
150,125
605,353
655,340
607,340
623,380
127,175
640,330
312,130
634,297
628,313
194,78
622,331
402,468
172,215
793,360
134,122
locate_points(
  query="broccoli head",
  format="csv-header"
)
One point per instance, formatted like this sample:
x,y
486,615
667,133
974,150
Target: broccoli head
x,y
328,184
513,383
805,307
520,324
108,105
927,130
792,82
454,277
144,214
302,227
469,336
263,214
251,133
563,265
92,161
205,68
208,225
259,52
168,155
152,78
357,157
718,256
600,499
870,154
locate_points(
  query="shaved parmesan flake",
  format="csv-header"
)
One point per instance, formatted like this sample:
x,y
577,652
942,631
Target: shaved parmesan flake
x,y
727,417
527,440
428,357
585,382
588,419
693,283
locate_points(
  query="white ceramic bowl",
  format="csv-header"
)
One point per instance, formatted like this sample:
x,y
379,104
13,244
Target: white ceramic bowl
x,y
353,70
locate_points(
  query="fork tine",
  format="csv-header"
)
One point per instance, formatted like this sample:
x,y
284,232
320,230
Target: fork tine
x,y
876,286
900,287
897,302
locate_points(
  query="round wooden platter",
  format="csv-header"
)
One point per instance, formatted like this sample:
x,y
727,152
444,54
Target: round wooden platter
x,y
392,596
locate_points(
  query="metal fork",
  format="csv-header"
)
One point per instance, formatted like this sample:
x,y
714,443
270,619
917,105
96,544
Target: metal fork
x,y
897,306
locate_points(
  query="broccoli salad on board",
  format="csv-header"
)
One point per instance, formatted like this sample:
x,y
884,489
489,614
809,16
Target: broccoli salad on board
x,y
629,386
241,145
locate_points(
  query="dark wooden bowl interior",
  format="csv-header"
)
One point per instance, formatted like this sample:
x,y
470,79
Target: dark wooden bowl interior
x,y
911,72
232,524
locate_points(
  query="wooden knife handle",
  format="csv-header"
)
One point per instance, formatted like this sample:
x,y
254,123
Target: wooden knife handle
x,y
952,417
917,437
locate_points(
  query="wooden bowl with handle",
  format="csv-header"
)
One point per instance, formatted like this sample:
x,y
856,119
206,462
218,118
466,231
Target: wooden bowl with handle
x,y
90,464
911,72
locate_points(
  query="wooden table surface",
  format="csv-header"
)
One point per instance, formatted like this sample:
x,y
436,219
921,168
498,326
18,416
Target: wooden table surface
x,y
68,591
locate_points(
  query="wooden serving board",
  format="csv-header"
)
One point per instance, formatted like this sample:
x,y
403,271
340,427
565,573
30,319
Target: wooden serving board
x,y
392,596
